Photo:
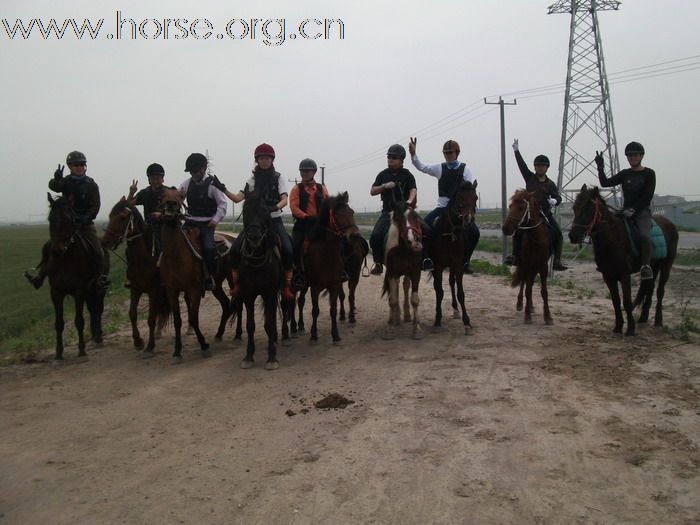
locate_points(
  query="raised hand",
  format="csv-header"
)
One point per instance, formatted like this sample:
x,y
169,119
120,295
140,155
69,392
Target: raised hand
x,y
412,146
599,161
516,147
58,174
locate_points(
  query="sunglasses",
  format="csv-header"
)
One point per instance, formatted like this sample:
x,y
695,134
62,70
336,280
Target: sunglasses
x,y
393,157
83,164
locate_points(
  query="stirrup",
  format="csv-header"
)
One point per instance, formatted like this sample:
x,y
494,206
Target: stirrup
x,y
509,260
646,273
428,264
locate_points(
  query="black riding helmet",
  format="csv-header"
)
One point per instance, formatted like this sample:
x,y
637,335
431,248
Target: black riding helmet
x,y
398,150
308,164
634,147
195,162
76,157
155,169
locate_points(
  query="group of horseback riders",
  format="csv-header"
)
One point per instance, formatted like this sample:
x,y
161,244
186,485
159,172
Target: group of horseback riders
x,y
206,205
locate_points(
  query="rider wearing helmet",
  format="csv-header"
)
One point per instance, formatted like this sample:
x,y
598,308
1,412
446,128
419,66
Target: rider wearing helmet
x,y
548,196
150,198
638,185
84,195
305,201
273,190
206,206
394,184
449,175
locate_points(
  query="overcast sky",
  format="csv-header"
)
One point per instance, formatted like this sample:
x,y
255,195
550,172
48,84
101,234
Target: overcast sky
x,y
402,69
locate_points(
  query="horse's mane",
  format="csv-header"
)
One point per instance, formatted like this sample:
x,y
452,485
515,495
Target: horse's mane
x,y
520,193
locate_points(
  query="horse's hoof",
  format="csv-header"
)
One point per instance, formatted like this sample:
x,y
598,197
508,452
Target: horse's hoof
x,y
417,333
388,334
217,338
630,333
138,344
176,360
313,341
147,354
58,361
336,342
352,320
549,322
519,307
341,318
206,352
528,321
438,329
456,314
272,365
286,342
407,319
468,330
247,363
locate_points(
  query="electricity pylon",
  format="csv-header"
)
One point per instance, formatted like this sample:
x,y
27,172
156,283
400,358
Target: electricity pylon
x,y
588,121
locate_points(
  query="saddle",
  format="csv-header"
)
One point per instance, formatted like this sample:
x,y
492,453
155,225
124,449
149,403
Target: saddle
x,y
659,249
222,241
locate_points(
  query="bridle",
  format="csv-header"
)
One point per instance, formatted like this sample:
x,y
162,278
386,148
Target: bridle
x,y
527,217
597,217
128,228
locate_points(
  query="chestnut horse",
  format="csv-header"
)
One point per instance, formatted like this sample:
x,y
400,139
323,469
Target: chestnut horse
x,y
403,258
447,250
126,224
323,260
72,273
260,274
613,256
525,216
180,271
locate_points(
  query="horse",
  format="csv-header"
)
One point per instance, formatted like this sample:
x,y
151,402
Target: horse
x,y
447,250
323,261
126,224
355,252
72,273
403,258
613,256
525,215
260,274
181,270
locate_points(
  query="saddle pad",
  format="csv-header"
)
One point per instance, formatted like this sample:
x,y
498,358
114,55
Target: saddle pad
x,y
658,241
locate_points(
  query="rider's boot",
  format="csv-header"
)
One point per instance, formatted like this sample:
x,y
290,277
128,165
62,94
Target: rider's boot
x,y
287,292
645,258
236,288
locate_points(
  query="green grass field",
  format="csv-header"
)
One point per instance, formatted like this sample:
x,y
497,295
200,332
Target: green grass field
x,y
26,315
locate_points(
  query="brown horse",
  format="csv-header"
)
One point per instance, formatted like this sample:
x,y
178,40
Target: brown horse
x,y
323,260
72,273
525,216
260,274
613,256
180,271
447,250
355,252
403,258
126,224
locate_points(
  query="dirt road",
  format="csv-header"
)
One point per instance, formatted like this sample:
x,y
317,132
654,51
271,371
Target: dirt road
x,y
513,424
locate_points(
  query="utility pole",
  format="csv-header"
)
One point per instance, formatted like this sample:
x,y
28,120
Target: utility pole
x,y
323,174
504,191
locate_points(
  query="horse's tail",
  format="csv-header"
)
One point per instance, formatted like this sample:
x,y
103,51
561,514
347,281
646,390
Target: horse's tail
x,y
235,308
517,279
164,310
385,286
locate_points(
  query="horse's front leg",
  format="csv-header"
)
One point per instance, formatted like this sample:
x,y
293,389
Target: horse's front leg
x,y
352,286
660,290
286,306
153,307
615,298
394,299
225,309
455,312
545,295
193,319
300,303
528,298
627,303
437,285
174,301
270,301
519,304
458,279
80,323
248,360
415,301
333,300
135,295
59,323
406,300
341,300
315,310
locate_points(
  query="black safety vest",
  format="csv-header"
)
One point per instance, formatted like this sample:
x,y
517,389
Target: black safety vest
x,y
450,180
304,197
268,187
199,203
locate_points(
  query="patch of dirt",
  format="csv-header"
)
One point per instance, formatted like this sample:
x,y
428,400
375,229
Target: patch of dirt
x,y
333,401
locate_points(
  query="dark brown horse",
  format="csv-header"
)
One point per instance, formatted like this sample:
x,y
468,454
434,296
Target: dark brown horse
x,y
126,224
355,252
447,250
613,256
181,271
403,258
323,260
525,217
260,274
72,272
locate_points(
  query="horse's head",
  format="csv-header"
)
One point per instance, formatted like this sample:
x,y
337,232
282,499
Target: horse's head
x,y
171,204
120,222
463,203
522,208
256,219
61,223
588,211
341,217
408,224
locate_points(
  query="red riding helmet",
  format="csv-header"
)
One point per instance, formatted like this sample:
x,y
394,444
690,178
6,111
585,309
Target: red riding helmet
x,y
264,150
